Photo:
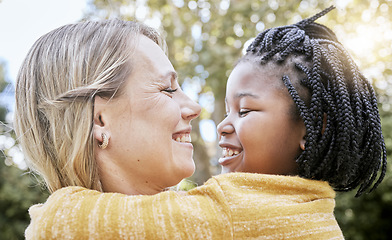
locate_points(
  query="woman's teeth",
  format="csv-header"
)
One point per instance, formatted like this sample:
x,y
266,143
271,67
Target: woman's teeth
x,y
184,138
227,152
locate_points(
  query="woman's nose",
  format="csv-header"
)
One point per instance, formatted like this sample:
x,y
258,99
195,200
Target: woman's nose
x,y
225,127
189,109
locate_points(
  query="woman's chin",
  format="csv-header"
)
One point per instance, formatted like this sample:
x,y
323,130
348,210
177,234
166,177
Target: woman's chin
x,y
189,168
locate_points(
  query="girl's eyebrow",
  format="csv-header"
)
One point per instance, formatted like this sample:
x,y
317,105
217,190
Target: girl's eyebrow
x,y
242,95
245,94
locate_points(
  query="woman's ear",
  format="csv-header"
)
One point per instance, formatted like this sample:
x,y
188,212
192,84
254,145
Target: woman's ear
x,y
100,126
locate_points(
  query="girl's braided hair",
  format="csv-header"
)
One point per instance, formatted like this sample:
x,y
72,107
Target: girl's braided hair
x,y
344,142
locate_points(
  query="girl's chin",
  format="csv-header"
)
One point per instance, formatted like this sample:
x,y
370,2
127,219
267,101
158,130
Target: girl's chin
x,y
226,170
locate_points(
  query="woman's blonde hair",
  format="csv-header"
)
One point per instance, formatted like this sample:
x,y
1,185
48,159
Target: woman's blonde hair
x,y
56,85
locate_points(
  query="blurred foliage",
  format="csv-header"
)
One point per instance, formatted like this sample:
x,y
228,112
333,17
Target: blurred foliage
x,y
17,193
18,189
3,84
185,185
205,38
369,216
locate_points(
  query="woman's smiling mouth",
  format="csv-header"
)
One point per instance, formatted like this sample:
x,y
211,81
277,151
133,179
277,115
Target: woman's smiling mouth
x,y
182,137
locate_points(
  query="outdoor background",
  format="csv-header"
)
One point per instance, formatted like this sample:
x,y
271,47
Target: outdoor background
x,y
205,38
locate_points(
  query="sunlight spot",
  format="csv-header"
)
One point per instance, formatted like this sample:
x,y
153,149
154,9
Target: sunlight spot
x,y
208,130
224,5
363,42
192,5
260,26
246,45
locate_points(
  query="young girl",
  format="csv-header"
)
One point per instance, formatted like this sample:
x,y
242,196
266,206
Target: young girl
x,y
296,105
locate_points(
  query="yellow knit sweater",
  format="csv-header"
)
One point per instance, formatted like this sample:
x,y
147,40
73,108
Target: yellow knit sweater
x,y
229,206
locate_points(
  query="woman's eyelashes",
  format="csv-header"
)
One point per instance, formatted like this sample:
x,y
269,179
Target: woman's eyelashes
x,y
169,91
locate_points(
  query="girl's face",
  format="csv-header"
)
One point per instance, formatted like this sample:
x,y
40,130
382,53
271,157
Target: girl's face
x,y
258,134
149,127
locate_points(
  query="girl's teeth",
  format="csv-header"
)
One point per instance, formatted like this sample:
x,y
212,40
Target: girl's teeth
x,y
229,152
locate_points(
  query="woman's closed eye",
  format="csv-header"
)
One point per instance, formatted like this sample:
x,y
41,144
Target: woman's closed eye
x,y
169,91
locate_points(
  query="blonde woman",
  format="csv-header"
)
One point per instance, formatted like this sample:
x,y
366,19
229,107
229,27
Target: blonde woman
x,y
98,105
265,132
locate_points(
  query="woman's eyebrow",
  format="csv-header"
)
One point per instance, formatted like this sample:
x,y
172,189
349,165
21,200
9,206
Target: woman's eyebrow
x,y
171,75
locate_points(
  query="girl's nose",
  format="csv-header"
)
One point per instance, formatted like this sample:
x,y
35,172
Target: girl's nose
x,y
225,127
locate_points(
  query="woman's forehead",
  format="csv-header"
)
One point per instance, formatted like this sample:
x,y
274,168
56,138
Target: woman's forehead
x,y
150,62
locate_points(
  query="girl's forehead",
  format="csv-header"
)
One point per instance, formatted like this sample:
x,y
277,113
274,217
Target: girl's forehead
x,y
263,80
252,74
247,79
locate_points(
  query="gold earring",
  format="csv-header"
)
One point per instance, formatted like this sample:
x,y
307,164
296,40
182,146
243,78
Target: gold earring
x,y
302,146
105,141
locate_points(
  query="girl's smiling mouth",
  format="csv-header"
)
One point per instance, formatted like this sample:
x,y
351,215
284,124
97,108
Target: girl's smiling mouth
x,y
229,155
228,152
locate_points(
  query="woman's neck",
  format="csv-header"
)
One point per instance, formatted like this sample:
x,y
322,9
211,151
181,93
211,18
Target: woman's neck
x,y
134,187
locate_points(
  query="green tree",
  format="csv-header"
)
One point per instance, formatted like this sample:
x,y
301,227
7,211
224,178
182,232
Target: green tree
x,y
18,191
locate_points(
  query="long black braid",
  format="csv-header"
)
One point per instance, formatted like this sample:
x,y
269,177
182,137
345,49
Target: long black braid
x,y
348,150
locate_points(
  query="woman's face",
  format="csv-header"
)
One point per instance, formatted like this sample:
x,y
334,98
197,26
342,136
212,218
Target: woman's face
x,y
148,127
259,135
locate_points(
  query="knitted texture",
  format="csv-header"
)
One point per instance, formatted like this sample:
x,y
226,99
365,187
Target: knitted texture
x,y
229,206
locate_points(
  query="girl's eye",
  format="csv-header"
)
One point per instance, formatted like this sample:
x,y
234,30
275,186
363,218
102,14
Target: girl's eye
x,y
243,112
